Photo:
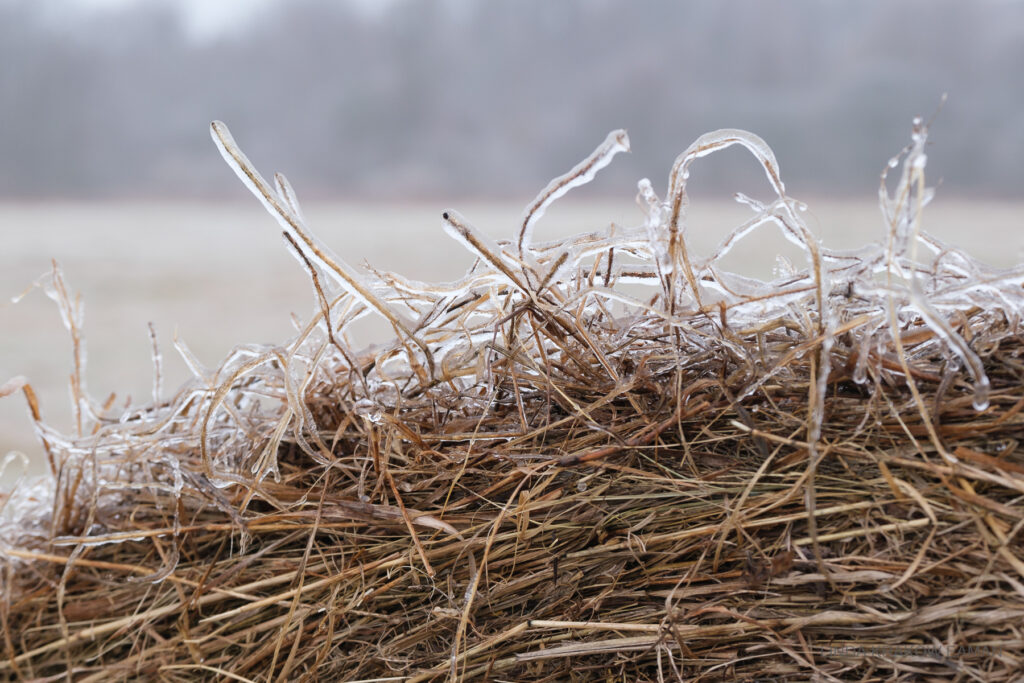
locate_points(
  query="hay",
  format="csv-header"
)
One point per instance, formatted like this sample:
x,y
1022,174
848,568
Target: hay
x,y
548,477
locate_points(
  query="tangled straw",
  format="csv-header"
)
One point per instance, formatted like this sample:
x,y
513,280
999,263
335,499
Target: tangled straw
x,y
547,476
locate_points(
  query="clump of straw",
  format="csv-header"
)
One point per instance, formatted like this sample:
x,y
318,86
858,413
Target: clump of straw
x,y
548,477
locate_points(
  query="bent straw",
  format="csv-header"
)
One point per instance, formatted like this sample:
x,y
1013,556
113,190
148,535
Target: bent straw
x,y
314,249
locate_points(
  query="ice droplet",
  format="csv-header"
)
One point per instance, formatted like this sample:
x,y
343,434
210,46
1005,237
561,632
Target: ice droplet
x,y
366,408
860,375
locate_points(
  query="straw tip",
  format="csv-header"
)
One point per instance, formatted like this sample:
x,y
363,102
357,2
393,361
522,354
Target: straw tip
x,y
621,138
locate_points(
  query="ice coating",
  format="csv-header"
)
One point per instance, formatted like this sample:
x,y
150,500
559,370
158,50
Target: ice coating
x,y
304,241
460,230
581,174
678,201
708,144
284,189
862,315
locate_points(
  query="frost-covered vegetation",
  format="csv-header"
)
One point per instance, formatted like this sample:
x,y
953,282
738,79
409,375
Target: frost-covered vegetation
x,y
592,454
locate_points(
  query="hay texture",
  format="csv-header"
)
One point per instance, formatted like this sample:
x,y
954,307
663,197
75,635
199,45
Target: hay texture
x,y
600,458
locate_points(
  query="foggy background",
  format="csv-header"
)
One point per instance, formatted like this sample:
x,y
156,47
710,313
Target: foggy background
x,y
383,113
420,98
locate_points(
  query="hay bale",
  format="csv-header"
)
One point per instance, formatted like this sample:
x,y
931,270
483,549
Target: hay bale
x,y
546,478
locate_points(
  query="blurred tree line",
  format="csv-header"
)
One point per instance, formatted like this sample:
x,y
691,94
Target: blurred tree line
x,y
419,98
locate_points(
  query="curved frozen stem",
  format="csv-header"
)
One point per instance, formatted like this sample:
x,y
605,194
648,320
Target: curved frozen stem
x,y
581,174
679,201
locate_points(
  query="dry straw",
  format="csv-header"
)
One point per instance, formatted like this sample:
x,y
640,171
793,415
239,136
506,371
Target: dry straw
x,y
548,476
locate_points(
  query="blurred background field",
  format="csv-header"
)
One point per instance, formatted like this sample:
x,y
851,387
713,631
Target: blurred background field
x,y
385,113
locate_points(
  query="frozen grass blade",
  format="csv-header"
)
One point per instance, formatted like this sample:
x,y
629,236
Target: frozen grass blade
x,y
293,225
581,174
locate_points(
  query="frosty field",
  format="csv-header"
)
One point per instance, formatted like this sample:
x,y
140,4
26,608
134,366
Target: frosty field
x,y
219,274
